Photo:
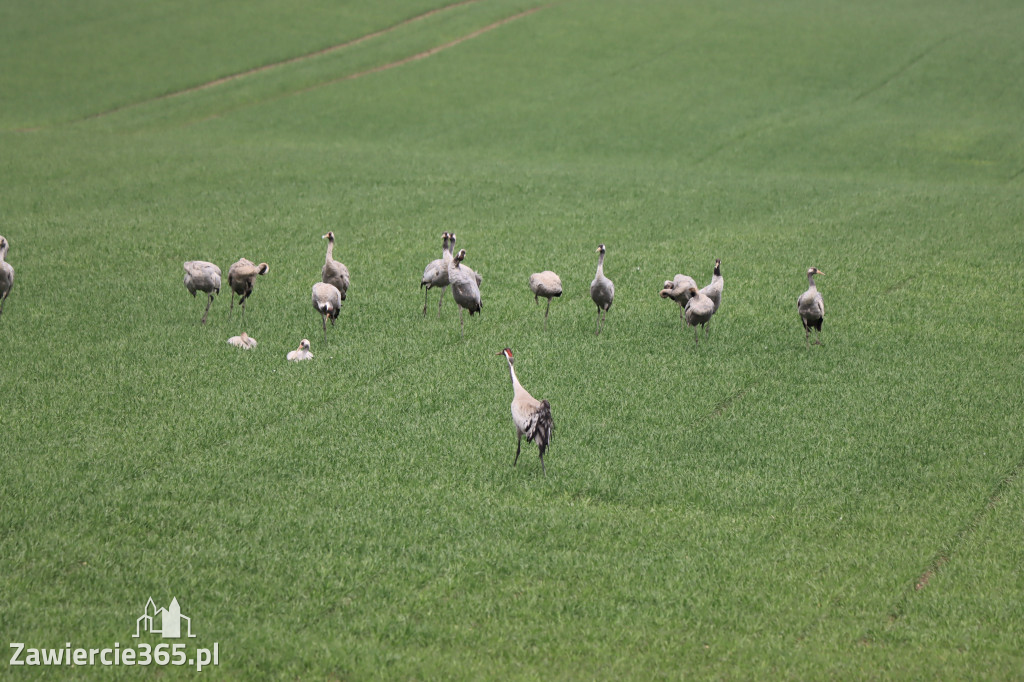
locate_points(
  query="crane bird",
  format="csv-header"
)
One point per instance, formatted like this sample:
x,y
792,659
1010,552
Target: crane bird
x,y
205,277
244,341
6,273
334,272
678,289
548,285
602,291
811,307
241,276
532,417
465,289
699,310
714,290
301,353
436,274
451,249
327,302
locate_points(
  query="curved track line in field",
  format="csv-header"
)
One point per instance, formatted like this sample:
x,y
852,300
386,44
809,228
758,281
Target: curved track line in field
x,y
384,67
286,62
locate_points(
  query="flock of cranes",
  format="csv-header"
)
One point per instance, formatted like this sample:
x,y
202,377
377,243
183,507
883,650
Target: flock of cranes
x,y
532,417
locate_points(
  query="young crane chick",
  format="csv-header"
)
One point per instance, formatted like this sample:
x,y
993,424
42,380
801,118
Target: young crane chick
x,y
532,417
811,307
301,353
243,341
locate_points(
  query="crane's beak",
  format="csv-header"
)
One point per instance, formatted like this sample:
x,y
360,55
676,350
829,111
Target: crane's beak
x,y
820,272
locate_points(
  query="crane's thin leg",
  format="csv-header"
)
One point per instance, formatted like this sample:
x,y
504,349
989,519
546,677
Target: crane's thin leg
x,y
323,319
537,302
542,465
682,319
462,322
232,308
696,337
204,314
425,293
519,444
807,336
439,302
546,310
242,303
597,324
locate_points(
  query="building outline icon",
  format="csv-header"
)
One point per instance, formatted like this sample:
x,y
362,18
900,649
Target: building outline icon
x,y
165,622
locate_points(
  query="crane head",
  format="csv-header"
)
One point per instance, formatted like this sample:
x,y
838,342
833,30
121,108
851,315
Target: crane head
x,y
304,344
815,271
461,255
600,248
507,353
329,236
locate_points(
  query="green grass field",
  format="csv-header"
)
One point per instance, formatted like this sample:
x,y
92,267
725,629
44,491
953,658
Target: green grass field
x,y
747,509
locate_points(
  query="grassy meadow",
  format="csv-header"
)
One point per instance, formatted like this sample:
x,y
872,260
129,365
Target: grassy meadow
x,y
745,509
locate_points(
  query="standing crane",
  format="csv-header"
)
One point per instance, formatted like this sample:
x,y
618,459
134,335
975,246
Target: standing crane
x,y
6,273
714,290
699,310
811,307
205,277
334,272
436,274
465,289
548,285
241,276
602,291
532,417
327,302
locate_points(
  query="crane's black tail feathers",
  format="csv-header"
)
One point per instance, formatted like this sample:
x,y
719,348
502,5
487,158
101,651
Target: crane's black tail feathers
x,y
543,427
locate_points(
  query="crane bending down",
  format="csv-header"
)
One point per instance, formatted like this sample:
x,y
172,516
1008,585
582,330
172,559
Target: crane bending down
x,y
333,271
436,274
548,285
532,417
678,289
205,277
327,302
6,273
241,276
811,307
602,291
465,289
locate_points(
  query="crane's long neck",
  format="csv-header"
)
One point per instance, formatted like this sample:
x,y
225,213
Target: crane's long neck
x,y
330,250
446,248
3,252
600,265
517,387
810,281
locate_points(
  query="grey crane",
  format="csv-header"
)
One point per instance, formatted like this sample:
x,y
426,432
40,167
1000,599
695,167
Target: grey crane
x,y
811,307
6,273
205,277
327,302
548,285
602,290
436,274
532,417
714,290
451,249
334,272
699,310
241,276
678,289
465,289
